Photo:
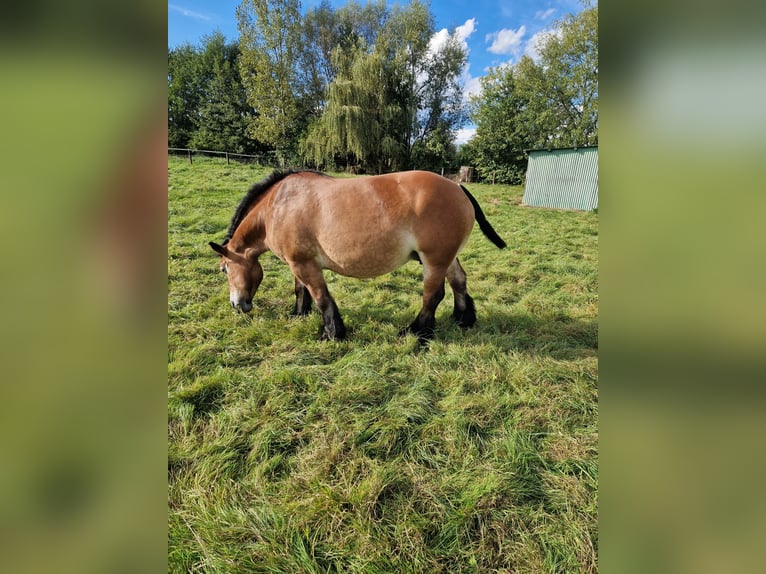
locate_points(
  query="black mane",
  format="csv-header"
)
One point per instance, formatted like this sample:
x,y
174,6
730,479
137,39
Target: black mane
x,y
252,195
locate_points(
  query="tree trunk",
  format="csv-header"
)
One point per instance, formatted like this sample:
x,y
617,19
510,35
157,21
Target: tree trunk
x,y
466,174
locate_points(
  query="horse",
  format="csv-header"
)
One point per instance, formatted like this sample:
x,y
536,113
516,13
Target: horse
x,y
358,227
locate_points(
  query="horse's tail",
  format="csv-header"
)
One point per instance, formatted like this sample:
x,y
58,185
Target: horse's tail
x,y
481,219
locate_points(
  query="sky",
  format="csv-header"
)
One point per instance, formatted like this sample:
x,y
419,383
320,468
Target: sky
x,y
495,32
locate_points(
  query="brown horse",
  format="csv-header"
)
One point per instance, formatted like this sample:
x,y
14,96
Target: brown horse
x,y
361,227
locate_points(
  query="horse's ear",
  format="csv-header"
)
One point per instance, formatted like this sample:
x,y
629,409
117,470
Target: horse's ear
x,y
220,249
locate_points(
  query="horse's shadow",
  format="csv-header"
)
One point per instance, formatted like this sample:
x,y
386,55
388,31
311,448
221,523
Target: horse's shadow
x,y
556,335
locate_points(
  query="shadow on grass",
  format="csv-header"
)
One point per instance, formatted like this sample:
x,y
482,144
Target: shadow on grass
x,y
558,335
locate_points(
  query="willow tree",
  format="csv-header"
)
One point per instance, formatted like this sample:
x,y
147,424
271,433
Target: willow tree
x,y
390,95
354,128
270,44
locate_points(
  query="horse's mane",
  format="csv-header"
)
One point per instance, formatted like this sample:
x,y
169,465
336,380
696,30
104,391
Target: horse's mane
x,y
253,194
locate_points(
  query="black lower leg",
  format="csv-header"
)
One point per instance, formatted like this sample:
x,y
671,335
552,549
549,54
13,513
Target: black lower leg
x,y
423,327
302,300
424,324
465,316
333,328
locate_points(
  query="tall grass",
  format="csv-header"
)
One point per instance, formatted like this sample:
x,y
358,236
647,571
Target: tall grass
x,y
287,454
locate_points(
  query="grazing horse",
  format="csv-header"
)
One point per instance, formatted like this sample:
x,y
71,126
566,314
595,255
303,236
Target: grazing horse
x,y
361,227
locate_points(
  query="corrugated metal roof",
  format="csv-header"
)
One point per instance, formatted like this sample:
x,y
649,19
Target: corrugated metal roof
x,y
563,178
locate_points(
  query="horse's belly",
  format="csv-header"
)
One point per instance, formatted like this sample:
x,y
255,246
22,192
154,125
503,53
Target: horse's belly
x,y
368,257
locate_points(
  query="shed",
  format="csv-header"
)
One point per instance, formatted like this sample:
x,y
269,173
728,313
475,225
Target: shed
x,y
564,178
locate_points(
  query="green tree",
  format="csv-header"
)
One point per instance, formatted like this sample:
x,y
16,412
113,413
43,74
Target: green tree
x,y
551,102
321,32
395,98
185,92
353,127
562,86
270,43
440,106
502,132
223,113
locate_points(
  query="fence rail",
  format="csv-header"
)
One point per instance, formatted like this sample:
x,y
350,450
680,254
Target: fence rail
x,y
264,158
271,159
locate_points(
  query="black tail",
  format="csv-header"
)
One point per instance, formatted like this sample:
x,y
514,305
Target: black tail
x,y
484,225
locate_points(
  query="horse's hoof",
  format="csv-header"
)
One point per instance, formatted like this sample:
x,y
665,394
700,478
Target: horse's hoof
x,y
424,335
325,336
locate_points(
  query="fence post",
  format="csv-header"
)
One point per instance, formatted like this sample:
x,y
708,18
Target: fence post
x,y
188,151
227,158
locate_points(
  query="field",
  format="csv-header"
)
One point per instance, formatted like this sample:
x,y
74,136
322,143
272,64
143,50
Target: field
x,y
291,455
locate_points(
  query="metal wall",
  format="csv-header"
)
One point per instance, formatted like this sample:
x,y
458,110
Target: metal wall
x,y
563,178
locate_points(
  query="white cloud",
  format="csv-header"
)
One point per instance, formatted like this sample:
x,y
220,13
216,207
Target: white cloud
x,y
188,13
533,45
506,41
438,40
544,15
464,32
472,86
462,136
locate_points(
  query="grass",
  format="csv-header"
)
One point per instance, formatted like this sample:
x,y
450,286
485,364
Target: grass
x,y
479,454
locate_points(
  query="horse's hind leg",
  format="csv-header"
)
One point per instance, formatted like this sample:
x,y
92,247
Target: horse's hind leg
x,y
310,275
433,293
302,299
465,312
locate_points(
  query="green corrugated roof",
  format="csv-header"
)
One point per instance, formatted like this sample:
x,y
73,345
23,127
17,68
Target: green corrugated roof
x,y
563,178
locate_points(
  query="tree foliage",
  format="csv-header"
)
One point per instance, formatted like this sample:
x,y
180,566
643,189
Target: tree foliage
x,y
548,102
207,108
395,98
185,92
223,113
562,87
270,44
502,134
372,88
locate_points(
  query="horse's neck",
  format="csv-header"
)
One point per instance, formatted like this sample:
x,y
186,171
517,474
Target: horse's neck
x,y
251,234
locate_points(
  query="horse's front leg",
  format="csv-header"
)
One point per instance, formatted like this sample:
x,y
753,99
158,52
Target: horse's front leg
x,y
310,275
302,299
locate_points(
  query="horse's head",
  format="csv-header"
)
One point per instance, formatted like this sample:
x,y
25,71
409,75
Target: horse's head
x,y
244,274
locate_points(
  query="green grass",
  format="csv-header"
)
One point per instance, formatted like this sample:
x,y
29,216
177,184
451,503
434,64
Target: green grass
x,y
478,454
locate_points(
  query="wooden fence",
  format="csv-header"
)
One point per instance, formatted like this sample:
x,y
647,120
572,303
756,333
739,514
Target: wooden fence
x,y
268,158
272,159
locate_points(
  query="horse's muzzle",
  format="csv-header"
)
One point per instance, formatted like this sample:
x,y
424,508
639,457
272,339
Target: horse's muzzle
x,y
244,306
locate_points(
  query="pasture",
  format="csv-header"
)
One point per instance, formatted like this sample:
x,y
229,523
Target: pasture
x,y
291,455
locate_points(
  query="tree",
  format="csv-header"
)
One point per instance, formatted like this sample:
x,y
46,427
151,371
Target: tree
x,y
223,113
207,107
551,102
353,127
562,87
440,109
502,133
393,101
185,89
270,36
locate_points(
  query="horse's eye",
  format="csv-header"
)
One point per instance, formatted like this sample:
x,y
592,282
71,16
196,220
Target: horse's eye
x,y
223,269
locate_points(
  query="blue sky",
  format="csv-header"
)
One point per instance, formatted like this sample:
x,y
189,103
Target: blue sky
x,y
495,31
